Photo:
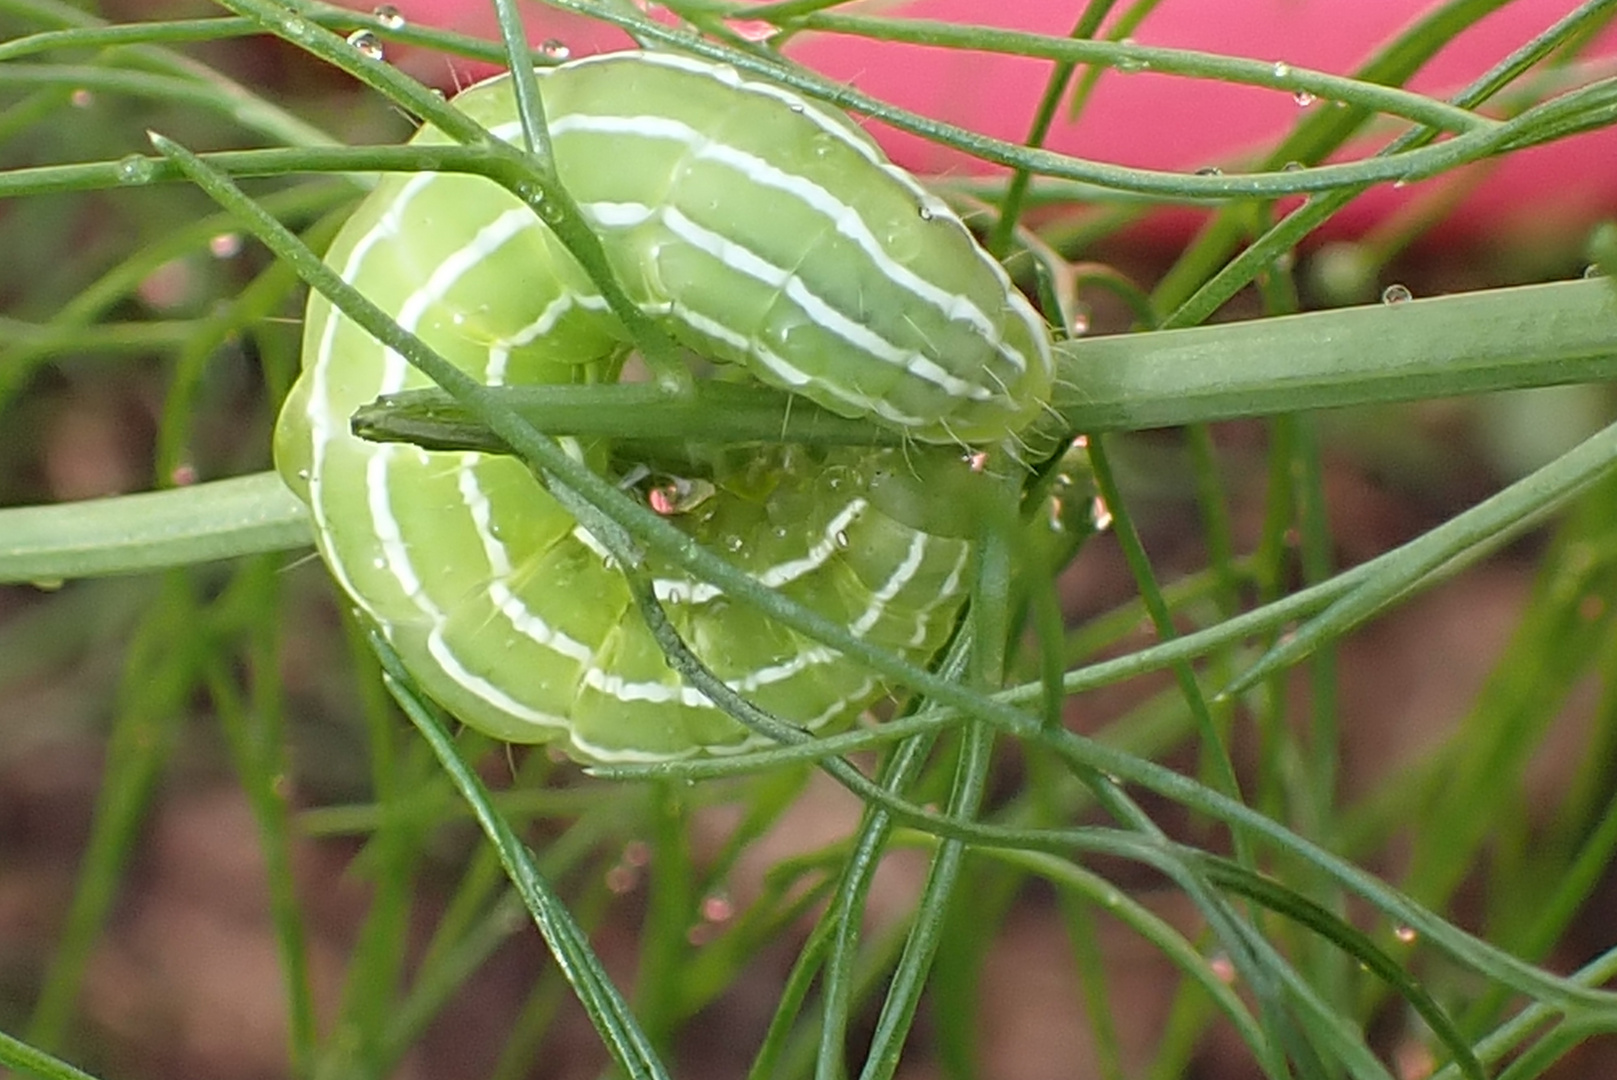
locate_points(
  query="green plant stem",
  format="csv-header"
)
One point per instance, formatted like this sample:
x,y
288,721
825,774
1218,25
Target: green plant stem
x,y
130,533
31,1061
607,1010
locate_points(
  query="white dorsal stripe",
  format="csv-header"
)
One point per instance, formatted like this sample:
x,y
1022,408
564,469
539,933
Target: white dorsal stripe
x,y
787,372
552,314
523,619
662,693
622,755
485,690
446,275
323,418
844,218
902,575
676,591
729,76
744,261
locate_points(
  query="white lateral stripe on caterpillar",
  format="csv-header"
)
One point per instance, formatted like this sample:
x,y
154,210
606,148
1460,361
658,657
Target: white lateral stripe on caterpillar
x,y
791,375
744,261
506,609
685,591
844,218
729,76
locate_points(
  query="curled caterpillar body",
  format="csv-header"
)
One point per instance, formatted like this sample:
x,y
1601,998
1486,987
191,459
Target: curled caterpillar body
x,y
763,231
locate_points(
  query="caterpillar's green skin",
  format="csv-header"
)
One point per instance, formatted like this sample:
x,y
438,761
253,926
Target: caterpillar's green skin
x,y
761,230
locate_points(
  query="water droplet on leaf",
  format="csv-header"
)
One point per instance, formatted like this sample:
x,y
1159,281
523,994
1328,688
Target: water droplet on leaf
x,y
1393,295
752,29
366,44
135,169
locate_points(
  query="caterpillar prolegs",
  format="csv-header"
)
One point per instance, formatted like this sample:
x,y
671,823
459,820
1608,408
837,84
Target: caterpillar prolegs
x,y
766,233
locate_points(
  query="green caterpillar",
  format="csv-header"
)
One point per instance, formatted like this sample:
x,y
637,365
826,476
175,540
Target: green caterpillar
x,y
768,235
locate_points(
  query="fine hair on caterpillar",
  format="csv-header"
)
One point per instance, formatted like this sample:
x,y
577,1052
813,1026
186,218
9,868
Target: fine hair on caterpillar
x,y
766,234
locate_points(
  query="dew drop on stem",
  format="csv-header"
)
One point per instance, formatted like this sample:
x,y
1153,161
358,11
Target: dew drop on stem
x,y
555,49
135,169
366,44
1128,65
754,30
389,16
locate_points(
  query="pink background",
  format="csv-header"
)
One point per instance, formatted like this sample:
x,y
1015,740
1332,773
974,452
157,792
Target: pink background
x,y
1164,122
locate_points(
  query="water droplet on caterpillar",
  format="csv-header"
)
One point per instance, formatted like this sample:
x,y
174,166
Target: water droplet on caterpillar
x,y
679,495
389,16
1394,295
366,44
